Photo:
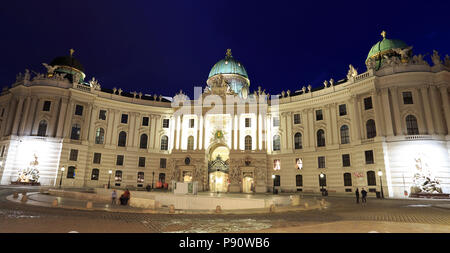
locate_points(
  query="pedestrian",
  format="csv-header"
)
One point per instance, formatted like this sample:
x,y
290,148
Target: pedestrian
x,y
113,197
125,197
363,196
357,196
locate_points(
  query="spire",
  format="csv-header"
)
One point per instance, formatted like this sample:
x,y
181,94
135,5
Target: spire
x,y
228,53
71,52
383,33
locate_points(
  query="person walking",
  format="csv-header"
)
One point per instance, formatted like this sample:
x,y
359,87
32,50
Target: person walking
x,y
363,196
113,197
357,196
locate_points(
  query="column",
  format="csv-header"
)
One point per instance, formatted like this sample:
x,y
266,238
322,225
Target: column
x,y
181,137
175,132
197,138
61,117
264,131
396,109
131,129
378,115
436,108
203,131
387,112
152,135
25,116
354,116
258,131
327,116
17,117
69,116
446,106
53,120
109,129
283,132
158,126
94,115
312,134
289,130
238,132
334,126
86,119
427,108
114,135
232,130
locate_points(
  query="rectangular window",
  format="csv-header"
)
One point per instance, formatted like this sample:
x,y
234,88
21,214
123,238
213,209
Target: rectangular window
x,y
165,123
119,160
141,161
368,103
277,180
319,115
299,180
73,155
79,110
162,163
342,110
124,119
346,160
102,115
97,157
145,121
140,177
321,162
46,107
248,122
407,98
297,119
276,121
369,156
191,123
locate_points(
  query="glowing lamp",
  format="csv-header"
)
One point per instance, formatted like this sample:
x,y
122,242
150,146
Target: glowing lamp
x,y
110,171
321,175
63,169
273,176
380,173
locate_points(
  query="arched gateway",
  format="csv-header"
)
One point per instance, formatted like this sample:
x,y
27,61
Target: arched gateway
x,y
218,169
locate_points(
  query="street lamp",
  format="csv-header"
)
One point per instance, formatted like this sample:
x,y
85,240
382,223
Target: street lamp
x,y
109,180
321,183
273,183
380,173
60,179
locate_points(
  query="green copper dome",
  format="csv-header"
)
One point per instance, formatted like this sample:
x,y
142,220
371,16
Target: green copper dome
x,y
228,66
385,46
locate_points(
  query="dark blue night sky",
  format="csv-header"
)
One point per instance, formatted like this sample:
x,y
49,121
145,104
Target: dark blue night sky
x,y
164,46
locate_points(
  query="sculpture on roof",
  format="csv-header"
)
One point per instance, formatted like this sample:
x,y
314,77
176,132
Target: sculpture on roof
x,y
352,72
50,69
436,58
404,53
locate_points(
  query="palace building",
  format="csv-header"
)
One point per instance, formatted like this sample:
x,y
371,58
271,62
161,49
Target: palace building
x,y
386,129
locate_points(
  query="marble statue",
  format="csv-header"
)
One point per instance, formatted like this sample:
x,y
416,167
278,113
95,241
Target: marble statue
x,y
436,58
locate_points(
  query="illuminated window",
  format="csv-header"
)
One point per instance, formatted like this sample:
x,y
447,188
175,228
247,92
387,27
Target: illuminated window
x,y
145,121
119,160
99,136
411,125
141,161
102,115
42,130
143,141
122,139
95,174
276,143
347,179
342,110
298,163
276,121
371,129
47,105
297,119
407,98
97,158
76,131
248,142
73,155
368,103
190,143
79,110
277,164
320,138
371,178
71,172
118,176
140,177
346,160
299,180
164,142
298,141
162,163
319,115
345,136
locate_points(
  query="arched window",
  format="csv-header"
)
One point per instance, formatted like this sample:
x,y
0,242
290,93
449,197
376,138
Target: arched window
x,y
99,136
118,176
42,130
143,142
347,179
298,141
122,139
320,138
95,174
276,142
76,132
71,172
248,142
190,143
370,128
345,137
164,142
371,178
411,125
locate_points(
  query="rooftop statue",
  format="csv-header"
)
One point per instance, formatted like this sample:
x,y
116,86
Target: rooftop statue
x,y
50,69
436,58
352,72
404,53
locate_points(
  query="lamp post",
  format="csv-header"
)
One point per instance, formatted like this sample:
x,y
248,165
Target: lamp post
x,y
380,173
109,180
60,179
321,183
273,183
153,178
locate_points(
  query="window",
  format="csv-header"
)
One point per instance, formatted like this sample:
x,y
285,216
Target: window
x,y
165,123
248,142
411,125
297,119
371,129
276,180
345,136
99,136
321,162
323,180
97,157
118,176
371,178
42,130
95,174
346,160
145,121
248,122
102,115
141,161
190,143
76,131
276,143
342,110
143,141
162,163
73,156
71,172
162,177
298,141
119,160
164,142
320,138
140,177
407,98
369,156
46,107
368,103
276,121
298,180
79,110
191,123
319,115
122,139
347,179
124,119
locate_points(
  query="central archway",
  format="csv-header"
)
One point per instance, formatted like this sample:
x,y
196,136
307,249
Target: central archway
x,y
218,169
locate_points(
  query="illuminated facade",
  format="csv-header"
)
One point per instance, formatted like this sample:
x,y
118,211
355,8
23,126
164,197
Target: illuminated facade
x,y
394,119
